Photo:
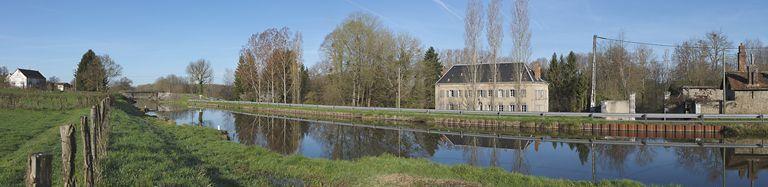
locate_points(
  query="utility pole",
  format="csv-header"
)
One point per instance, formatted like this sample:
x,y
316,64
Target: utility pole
x,y
722,103
594,68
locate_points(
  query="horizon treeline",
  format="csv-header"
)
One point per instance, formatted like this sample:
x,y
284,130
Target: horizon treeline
x,y
364,63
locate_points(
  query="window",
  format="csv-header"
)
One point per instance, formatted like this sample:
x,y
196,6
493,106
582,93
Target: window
x,y
541,94
490,93
490,108
524,108
501,108
482,93
459,94
512,93
511,108
500,93
522,93
480,105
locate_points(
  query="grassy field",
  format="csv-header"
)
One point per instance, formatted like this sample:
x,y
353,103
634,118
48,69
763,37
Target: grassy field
x,y
27,131
11,98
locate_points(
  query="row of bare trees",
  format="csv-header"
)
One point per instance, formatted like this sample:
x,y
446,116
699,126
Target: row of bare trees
x,y
650,71
270,67
474,52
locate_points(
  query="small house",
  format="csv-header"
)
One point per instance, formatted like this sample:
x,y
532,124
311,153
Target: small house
x,y
24,78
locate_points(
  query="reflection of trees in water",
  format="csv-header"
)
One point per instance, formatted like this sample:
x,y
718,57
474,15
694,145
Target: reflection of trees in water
x,y
346,142
279,135
582,150
698,160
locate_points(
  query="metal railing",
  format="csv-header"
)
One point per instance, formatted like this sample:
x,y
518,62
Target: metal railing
x,y
650,117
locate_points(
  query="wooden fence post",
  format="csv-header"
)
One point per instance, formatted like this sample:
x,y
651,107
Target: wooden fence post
x,y
68,151
88,164
39,169
94,130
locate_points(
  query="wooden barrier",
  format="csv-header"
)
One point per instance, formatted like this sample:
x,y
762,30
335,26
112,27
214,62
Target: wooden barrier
x,y
39,169
88,160
68,151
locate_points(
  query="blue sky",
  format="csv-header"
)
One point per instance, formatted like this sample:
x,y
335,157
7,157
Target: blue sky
x,y
155,38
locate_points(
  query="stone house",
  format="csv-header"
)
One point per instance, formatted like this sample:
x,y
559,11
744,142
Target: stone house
x,y
24,78
746,92
454,90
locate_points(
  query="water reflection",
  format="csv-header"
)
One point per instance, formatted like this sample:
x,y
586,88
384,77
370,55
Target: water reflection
x,y
690,166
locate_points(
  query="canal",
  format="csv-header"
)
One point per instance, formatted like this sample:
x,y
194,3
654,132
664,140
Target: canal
x,y
689,166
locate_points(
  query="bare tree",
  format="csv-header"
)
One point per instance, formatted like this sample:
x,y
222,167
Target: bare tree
x,y
200,73
229,77
3,76
717,44
473,26
54,79
521,40
121,84
112,69
296,68
494,34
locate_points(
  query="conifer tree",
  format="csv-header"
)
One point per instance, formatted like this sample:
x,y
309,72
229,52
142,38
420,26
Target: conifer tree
x,y
431,70
90,74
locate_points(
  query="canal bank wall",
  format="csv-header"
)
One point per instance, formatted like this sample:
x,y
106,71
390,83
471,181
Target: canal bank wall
x,y
479,123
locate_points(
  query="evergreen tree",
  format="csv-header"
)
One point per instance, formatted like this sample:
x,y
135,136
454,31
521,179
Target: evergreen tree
x,y
555,83
430,71
90,74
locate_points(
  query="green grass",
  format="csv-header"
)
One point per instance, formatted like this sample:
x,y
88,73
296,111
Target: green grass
x,y
28,131
147,151
12,98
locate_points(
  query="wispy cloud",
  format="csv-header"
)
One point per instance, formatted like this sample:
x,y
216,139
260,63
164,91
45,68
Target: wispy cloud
x,y
377,14
357,5
447,8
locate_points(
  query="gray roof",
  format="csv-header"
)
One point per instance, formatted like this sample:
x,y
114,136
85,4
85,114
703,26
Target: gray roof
x,y
31,74
460,73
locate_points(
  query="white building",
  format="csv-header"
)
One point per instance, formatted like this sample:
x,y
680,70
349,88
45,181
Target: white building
x,y
454,90
24,78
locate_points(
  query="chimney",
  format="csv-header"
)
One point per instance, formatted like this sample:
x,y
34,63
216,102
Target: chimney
x,y
742,58
537,71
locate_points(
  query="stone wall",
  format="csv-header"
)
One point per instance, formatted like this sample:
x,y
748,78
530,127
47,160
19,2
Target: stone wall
x,y
749,102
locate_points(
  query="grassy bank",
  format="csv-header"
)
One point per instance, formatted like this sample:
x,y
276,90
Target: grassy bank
x,y
147,151
730,129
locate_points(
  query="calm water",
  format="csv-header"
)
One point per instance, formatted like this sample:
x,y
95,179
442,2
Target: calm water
x,y
648,164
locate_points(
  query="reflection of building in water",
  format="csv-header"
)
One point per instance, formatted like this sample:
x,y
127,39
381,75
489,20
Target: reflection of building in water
x,y
469,141
748,161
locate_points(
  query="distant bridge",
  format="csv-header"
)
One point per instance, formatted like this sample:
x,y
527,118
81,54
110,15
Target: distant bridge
x,y
146,95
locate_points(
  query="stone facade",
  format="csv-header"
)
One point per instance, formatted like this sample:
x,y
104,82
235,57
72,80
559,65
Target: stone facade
x,y
453,92
746,92
533,97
